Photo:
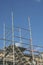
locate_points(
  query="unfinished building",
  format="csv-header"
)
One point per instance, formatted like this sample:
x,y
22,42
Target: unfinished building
x,y
18,48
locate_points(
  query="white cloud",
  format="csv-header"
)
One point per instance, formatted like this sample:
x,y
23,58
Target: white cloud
x,y
38,0
18,44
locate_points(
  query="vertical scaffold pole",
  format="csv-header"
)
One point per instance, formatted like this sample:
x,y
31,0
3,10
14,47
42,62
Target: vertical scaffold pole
x,y
31,45
13,39
4,46
20,37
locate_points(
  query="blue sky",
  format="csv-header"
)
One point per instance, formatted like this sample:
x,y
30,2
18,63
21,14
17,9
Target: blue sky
x,y
22,9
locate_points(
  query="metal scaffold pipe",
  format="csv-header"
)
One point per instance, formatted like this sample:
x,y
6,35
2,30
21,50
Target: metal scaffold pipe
x,y
20,37
4,47
31,46
13,39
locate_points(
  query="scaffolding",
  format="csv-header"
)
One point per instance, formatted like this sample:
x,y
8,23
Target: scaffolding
x,y
18,48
